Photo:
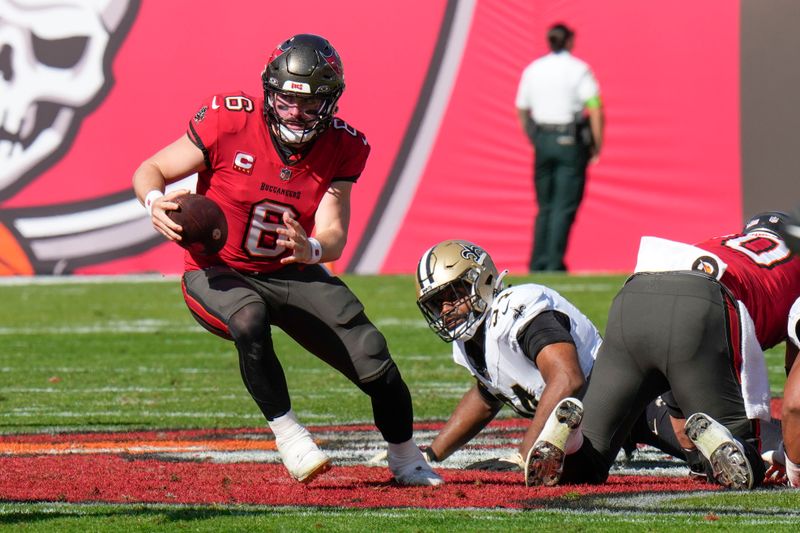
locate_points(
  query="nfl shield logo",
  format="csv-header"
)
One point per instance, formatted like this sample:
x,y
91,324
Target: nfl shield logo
x,y
286,174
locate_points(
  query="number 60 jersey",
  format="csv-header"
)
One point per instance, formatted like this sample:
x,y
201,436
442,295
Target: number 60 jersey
x,y
764,275
246,175
510,375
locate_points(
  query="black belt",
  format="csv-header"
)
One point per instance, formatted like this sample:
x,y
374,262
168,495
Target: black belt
x,y
555,128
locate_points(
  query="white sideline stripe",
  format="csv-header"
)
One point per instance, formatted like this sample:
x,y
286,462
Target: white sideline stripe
x,y
96,390
155,327
88,330
395,212
118,414
93,219
476,514
141,369
175,278
77,280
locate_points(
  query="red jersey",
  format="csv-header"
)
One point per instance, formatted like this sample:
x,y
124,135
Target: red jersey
x,y
246,176
764,275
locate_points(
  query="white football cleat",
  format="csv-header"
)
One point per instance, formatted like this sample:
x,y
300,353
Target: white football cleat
x,y
301,456
545,462
729,464
417,473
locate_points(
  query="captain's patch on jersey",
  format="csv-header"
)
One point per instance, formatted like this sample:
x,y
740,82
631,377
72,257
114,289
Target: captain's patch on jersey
x,y
244,162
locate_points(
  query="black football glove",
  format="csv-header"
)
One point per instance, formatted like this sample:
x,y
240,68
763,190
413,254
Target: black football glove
x,y
699,467
427,452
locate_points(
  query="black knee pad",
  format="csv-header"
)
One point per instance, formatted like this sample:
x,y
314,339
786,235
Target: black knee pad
x,y
249,324
385,383
370,354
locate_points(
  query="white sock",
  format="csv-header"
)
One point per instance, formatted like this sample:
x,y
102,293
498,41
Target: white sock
x,y
793,473
404,452
285,426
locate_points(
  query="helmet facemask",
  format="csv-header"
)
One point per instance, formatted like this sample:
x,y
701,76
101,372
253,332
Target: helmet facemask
x,y
456,284
303,128
454,310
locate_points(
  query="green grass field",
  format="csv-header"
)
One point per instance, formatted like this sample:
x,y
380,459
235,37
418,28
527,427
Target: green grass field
x,y
126,355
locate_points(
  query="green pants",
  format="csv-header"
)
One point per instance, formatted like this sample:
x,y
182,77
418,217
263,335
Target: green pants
x,y
559,178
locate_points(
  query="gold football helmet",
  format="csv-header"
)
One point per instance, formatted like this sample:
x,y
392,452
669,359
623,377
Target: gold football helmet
x,y
456,283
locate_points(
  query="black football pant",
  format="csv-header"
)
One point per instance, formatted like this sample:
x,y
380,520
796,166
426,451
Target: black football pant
x,y
321,314
559,177
666,331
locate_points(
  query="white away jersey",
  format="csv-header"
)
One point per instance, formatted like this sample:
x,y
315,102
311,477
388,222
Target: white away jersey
x,y
512,377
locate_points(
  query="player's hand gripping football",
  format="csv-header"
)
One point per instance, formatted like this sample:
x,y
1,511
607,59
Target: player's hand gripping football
x,y
293,237
161,222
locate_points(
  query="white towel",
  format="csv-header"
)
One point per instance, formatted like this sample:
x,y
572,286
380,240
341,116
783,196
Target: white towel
x,y
662,255
755,382
794,318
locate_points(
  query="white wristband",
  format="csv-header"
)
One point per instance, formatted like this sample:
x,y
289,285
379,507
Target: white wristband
x,y
316,251
793,473
151,197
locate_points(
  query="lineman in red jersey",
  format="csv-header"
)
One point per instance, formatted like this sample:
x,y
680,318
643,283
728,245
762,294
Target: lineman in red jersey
x,y
790,416
280,166
684,331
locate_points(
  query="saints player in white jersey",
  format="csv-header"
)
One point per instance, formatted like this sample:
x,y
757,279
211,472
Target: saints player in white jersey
x,y
526,345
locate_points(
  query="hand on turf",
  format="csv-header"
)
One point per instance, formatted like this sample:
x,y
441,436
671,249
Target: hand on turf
x,y
427,453
776,475
509,463
161,222
293,237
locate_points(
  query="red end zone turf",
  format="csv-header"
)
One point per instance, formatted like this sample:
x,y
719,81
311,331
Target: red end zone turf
x,y
241,466
117,479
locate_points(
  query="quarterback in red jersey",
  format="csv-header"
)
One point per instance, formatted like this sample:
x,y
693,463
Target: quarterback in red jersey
x,y
692,320
281,166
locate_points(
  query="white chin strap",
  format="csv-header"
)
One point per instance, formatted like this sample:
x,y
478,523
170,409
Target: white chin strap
x,y
291,136
498,285
467,333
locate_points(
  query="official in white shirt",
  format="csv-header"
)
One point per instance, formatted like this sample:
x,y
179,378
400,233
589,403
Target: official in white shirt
x,y
559,107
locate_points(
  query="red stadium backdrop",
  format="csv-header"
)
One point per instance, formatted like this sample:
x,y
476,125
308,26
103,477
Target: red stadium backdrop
x,y
431,83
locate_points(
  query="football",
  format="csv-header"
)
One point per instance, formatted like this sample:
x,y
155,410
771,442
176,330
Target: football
x,y
205,228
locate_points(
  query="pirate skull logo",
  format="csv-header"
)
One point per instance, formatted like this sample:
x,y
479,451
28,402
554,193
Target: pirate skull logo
x,y
53,70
